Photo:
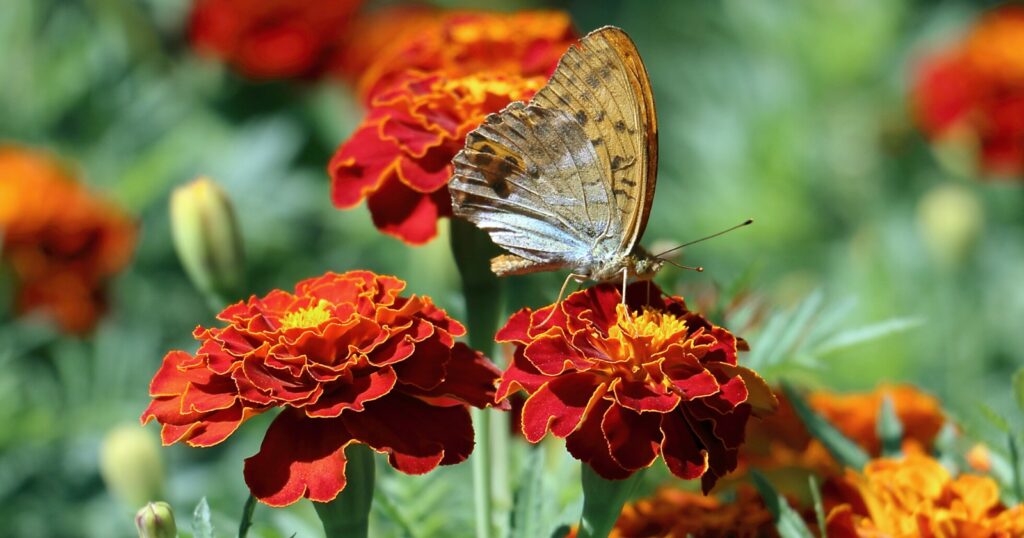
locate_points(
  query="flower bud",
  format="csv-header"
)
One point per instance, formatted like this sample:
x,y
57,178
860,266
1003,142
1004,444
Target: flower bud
x,y
131,465
156,520
950,218
207,238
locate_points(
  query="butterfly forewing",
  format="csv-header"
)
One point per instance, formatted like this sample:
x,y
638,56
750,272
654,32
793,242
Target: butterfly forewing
x,y
603,83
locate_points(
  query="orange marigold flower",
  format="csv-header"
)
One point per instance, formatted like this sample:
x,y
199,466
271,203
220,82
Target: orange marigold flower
x,y
916,496
625,383
61,242
399,158
268,39
350,361
459,43
782,440
975,90
672,512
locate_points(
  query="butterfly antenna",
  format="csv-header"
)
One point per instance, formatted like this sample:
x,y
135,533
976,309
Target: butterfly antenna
x,y
699,269
725,231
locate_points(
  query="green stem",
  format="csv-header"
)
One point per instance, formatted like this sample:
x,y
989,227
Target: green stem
x,y
472,250
602,501
348,515
247,510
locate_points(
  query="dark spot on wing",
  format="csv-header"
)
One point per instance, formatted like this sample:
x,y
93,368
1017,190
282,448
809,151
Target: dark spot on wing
x,y
600,116
593,81
499,185
512,161
474,138
484,148
623,193
629,182
581,117
482,159
532,171
620,126
597,141
492,119
617,162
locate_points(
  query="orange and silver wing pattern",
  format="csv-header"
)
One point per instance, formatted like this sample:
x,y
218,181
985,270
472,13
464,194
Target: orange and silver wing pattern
x,y
603,84
530,178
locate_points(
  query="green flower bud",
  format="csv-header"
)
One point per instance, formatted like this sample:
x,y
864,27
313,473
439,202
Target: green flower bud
x,y
207,239
156,520
131,465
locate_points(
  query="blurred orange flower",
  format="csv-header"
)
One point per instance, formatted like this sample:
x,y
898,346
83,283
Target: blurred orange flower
x,y
386,45
975,91
399,158
675,513
916,496
780,440
61,242
270,39
350,360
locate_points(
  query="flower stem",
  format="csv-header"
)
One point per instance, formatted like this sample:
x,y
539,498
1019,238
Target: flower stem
x,y
473,250
348,515
602,501
246,522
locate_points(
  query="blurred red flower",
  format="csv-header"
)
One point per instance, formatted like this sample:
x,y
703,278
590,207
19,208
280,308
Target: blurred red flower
x,y
625,383
61,242
270,39
350,361
974,91
399,158
385,45
672,512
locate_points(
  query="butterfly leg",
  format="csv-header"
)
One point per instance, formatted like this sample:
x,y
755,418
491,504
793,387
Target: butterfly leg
x,y
572,276
625,278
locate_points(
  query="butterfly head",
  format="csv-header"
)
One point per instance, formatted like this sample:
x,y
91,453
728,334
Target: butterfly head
x,y
643,264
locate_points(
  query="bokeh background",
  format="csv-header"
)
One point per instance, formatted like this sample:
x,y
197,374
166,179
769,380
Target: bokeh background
x,y
876,255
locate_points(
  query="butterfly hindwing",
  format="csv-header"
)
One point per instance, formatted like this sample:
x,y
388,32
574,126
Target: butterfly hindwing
x,y
530,178
603,84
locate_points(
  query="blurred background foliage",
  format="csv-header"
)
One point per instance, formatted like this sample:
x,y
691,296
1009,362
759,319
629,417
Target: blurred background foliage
x,y
873,257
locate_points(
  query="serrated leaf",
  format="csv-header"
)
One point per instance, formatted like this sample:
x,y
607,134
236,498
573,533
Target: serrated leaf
x,y
201,525
845,451
787,521
527,509
867,333
890,429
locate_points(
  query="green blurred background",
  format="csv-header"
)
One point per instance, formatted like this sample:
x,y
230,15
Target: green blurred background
x,y
873,258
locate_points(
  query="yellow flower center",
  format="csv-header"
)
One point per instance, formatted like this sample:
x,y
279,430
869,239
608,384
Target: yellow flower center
x,y
310,316
478,87
653,326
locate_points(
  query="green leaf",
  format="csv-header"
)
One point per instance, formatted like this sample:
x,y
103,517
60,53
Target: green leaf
x,y
1018,388
787,521
201,525
602,501
867,333
845,451
1018,479
348,514
890,429
529,502
819,505
246,521
994,418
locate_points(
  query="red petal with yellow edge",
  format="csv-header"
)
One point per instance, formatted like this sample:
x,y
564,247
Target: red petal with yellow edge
x,y
300,457
427,369
559,405
552,354
360,166
428,173
416,436
682,451
353,395
516,329
469,378
641,397
520,374
633,438
406,214
589,445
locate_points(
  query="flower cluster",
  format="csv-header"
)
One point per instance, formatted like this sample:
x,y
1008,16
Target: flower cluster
x,y
916,496
270,39
456,43
781,440
673,512
625,383
350,361
974,92
399,158
61,242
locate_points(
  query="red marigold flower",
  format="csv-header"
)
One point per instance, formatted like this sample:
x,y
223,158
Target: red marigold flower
x,y
673,512
459,43
269,39
975,91
61,242
625,383
350,361
399,158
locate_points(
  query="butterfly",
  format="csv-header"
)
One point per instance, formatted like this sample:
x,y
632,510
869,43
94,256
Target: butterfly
x,y
567,180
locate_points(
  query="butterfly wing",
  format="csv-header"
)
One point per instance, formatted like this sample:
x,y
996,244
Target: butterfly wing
x,y
530,178
603,83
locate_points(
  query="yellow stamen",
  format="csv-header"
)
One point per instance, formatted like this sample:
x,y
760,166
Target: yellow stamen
x,y
311,316
657,325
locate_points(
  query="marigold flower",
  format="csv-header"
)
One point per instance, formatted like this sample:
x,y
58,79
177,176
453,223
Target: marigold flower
x,y
916,496
782,441
270,39
975,90
625,383
350,361
673,512
458,43
61,242
399,158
